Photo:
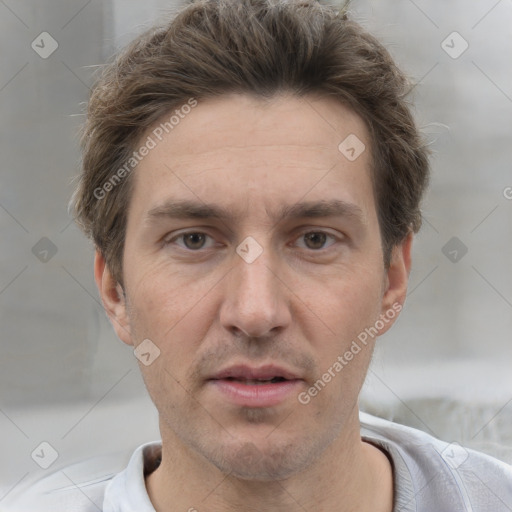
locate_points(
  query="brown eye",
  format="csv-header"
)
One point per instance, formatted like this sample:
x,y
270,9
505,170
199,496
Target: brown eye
x,y
190,241
315,240
194,240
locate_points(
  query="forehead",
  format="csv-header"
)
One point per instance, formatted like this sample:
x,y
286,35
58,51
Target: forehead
x,y
241,149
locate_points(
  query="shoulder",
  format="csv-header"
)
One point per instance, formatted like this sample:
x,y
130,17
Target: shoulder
x,y
79,487
106,483
446,473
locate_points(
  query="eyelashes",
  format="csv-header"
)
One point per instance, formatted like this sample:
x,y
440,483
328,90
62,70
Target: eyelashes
x,y
197,241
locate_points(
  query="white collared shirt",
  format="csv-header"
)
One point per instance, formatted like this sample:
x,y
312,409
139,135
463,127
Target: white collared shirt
x,y
429,476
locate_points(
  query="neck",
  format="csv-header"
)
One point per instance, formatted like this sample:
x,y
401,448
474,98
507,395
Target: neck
x,y
349,475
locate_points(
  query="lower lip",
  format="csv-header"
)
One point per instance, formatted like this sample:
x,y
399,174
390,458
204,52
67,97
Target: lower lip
x,y
256,395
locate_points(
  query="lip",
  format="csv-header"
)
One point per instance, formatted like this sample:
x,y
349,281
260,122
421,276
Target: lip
x,y
255,395
245,372
246,394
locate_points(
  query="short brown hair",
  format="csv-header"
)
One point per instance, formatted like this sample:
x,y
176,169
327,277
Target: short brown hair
x,y
259,47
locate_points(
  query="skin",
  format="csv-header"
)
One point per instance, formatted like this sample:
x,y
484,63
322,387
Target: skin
x,y
300,304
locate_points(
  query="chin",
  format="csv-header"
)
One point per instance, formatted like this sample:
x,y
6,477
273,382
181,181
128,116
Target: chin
x,y
253,462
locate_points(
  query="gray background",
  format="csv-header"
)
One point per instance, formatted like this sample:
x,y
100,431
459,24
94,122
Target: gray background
x,y
445,367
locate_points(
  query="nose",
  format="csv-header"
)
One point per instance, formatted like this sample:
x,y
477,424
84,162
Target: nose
x,y
255,298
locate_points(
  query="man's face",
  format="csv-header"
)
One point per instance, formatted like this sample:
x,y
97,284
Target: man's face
x,y
228,312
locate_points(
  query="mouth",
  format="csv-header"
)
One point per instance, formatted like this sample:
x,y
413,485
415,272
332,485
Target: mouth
x,y
245,373
245,386
257,382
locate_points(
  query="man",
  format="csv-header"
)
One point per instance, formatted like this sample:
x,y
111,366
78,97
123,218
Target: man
x,y
251,180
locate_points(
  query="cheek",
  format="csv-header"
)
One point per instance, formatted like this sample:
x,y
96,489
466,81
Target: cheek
x,y
345,304
173,312
343,351
344,309
164,296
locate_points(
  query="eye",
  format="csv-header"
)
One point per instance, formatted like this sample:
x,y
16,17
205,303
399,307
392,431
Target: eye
x,y
316,240
192,240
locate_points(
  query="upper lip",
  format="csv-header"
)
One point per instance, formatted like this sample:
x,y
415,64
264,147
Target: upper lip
x,y
245,372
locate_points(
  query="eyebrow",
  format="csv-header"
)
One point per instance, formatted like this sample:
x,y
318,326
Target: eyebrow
x,y
185,209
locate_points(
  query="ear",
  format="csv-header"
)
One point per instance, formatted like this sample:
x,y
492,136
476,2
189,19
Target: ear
x,y
396,281
113,299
